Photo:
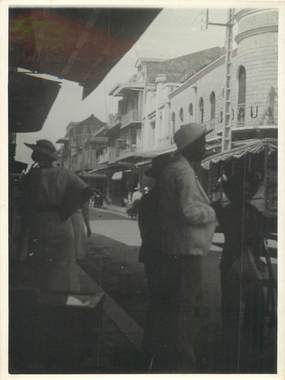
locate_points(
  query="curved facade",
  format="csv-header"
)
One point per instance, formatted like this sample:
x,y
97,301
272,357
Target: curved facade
x,y
257,45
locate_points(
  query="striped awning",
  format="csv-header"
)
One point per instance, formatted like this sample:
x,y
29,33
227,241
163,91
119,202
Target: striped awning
x,y
254,146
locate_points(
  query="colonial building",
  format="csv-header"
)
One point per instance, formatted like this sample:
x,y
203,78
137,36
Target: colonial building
x,y
164,94
253,82
80,144
140,130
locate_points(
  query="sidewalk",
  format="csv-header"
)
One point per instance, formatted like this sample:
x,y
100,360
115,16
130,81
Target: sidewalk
x,y
116,209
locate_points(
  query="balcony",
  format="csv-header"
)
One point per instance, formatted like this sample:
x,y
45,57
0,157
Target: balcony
x,y
114,120
98,141
130,118
103,157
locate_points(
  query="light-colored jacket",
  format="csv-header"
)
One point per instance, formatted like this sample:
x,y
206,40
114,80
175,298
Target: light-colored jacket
x,y
188,221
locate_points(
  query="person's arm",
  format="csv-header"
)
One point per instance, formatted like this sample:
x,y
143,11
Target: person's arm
x,y
76,194
193,211
85,213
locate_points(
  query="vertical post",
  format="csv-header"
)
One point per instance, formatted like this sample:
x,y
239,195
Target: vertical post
x,y
226,140
266,200
108,185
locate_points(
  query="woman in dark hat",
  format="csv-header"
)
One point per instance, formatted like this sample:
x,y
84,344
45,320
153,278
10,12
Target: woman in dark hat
x,y
51,195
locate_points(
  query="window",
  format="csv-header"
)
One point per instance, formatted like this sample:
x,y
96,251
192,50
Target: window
x,y
181,115
241,96
173,122
152,134
212,109
133,137
201,111
191,109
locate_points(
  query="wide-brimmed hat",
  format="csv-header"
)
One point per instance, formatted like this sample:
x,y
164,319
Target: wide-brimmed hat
x,y
45,147
157,164
188,133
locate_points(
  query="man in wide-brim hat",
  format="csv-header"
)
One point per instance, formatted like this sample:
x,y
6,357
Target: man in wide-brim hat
x,y
187,227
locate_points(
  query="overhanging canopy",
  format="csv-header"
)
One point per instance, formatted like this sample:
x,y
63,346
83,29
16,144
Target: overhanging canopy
x,y
254,146
78,44
30,100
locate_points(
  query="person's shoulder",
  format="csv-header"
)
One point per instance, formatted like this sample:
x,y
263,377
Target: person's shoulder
x,y
182,166
176,162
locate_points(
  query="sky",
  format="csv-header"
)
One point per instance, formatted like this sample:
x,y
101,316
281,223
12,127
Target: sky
x,y
174,32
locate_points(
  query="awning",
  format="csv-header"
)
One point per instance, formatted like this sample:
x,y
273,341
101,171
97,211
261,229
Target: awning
x,y
30,100
134,157
79,44
255,146
100,169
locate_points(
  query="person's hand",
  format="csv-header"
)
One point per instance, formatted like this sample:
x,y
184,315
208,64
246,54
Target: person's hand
x,y
217,196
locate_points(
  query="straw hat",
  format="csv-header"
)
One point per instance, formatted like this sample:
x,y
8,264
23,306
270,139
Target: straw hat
x,y
188,133
45,147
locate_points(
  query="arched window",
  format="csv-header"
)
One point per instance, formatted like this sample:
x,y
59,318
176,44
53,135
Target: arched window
x,y
212,109
181,114
201,110
191,109
241,96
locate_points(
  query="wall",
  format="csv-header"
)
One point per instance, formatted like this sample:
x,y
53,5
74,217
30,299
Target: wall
x,y
257,51
192,91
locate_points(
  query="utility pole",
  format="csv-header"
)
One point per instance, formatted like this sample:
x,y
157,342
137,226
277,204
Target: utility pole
x,y
226,137
227,133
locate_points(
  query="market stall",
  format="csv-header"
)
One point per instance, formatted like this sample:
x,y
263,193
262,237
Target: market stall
x,y
254,155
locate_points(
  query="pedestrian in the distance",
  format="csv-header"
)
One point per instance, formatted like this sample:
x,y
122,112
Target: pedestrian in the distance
x,y
187,225
132,211
82,229
51,196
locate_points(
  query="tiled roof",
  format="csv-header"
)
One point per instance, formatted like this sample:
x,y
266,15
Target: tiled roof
x,y
181,68
90,121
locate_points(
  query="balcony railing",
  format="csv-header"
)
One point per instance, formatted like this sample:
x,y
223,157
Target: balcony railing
x,y
114,153
114,120
132,116
103,157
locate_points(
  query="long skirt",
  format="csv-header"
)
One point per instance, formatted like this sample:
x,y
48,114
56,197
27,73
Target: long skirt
x,y
53,252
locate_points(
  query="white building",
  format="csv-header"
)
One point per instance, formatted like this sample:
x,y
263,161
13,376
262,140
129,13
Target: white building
x,y
167,93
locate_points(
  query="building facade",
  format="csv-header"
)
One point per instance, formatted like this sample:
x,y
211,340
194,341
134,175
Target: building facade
x,y
80,144
164,94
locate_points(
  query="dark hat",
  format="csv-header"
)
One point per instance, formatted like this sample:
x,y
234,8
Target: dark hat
x,y
157,164
45,147
188,133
